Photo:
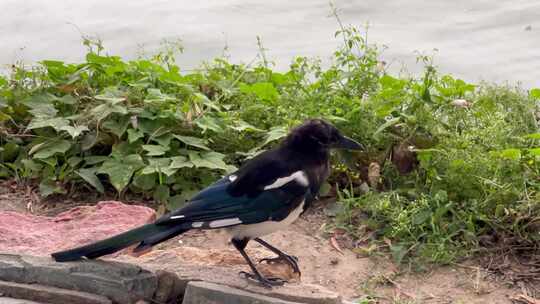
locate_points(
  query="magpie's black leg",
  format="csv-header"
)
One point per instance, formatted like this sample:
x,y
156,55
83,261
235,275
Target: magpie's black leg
x,y
240,245
282,256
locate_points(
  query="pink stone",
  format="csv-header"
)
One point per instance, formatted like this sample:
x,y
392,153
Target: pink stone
x,y
39,235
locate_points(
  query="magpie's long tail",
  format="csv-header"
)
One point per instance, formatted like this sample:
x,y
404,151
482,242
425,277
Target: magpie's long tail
x,y
147,235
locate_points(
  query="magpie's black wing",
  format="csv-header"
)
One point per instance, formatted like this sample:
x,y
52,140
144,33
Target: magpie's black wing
x,y
264,189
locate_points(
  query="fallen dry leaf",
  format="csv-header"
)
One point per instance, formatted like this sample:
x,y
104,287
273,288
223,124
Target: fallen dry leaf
x,y
335,245
523,298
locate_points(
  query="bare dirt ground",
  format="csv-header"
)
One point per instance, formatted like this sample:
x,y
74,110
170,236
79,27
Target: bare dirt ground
x,y
374,279
371,279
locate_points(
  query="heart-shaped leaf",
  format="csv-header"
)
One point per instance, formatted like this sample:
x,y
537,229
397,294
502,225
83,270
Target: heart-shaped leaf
x,y
51,148
74,131
211,160
159,165
134,135
193,141
57,123
144,181
48,187
273,135
89,175
155,150
120,171
116,126
178,162
162,193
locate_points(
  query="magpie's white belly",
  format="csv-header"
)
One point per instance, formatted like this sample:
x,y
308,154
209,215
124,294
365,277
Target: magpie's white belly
x,y
264,228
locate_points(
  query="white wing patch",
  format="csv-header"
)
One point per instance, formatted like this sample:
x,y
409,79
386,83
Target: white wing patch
x,y
298,176
224,222
232,178
197,224
264,228
175,217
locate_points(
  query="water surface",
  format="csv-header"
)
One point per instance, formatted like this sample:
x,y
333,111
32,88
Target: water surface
x,y
494,40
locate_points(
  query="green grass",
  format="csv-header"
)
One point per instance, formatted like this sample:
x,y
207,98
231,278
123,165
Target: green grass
x,y
456,174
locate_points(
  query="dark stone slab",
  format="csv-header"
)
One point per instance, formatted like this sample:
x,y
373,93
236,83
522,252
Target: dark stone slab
x,y
47,294
121,282
209,293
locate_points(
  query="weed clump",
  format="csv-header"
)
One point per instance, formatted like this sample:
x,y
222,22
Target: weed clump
x,y
450,166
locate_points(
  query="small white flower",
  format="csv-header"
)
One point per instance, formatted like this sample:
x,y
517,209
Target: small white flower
x,y
461,103
134,121
365,96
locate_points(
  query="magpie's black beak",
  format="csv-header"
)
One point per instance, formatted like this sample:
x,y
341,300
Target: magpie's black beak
x,y
347,143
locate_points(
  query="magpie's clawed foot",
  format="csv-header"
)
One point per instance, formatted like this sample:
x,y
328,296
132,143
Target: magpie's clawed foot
x,y
289,259
265,282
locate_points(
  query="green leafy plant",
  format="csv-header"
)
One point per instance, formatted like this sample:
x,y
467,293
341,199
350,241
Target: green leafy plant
x,y
447,162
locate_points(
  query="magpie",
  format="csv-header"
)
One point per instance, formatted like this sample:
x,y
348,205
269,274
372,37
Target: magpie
x,y
265,195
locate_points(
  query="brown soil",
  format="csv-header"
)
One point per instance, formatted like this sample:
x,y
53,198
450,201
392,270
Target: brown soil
x,y
375,279
22,197
361,277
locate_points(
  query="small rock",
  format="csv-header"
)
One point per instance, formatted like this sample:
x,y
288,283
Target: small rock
x,y
334,261
528,28
364,187
4,300
123,283
168,287
49,294
333,209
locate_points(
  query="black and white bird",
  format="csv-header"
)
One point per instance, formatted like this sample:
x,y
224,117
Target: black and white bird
x,y
265,195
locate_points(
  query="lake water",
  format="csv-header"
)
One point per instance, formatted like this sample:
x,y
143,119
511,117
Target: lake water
x,y
494,40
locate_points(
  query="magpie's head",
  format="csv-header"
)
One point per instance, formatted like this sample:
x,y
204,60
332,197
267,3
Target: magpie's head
x,y
317,134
